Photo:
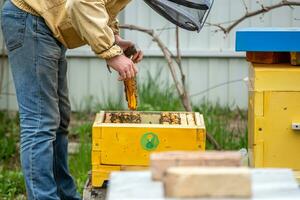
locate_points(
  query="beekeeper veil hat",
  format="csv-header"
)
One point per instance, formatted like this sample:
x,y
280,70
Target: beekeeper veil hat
x,y
188,14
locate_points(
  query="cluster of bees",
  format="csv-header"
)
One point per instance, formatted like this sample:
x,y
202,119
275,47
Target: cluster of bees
x,y
128,117
169,118
135,118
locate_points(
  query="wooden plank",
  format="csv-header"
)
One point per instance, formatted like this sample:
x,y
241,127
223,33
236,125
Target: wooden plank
x,y
107,118
190,119
99,119
267,184
101,116
199,120
196,182
183,120
295,58
268,57
160,162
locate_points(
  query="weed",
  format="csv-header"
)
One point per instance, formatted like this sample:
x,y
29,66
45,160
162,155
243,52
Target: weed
x,y
227,126
9,131
80,163
110,104
11,184
158,96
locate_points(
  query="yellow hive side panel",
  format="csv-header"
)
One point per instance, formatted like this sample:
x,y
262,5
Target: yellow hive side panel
x,y
96,137
250,127
132,146
251,77
255,137
96,157
100,173
258,146
281,142
98,178
106,168
201,137
276,77
134,168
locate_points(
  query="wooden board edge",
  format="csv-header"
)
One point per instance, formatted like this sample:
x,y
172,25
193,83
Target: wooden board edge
x,y
183,119
99,118
199,120
191,119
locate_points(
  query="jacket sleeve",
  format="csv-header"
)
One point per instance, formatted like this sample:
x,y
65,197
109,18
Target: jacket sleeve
x,y
90,19
114,25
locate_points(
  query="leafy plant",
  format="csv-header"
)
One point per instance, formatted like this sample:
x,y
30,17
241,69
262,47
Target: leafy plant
x,y
11,184
80,163
227,126
9,132
158,96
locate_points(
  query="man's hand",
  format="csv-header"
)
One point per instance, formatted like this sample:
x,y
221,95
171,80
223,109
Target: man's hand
x,y
125,66
125,44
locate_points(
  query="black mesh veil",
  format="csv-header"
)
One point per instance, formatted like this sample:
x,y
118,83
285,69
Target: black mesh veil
x,y
187,14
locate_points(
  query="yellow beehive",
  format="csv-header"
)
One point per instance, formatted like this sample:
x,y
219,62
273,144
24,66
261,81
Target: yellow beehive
x,y
127,146
274,115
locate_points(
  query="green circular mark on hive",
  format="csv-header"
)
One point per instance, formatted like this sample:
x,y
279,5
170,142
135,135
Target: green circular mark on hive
x,y
149,141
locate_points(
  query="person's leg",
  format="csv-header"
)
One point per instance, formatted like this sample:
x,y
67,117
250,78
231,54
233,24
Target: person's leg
x,y
34,56
65,183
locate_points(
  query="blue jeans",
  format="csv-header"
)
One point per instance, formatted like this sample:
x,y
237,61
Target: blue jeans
x,y
39,69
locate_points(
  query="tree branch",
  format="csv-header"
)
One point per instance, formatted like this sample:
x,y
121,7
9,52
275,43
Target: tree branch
x,y
179,63
264,9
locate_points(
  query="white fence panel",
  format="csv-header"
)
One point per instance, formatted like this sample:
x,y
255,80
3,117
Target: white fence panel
x,y
214,71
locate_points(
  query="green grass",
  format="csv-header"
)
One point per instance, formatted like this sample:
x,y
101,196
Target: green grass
x,y
9,129
158,96
12,185
227,125
80,163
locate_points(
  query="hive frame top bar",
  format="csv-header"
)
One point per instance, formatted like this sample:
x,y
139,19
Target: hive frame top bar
x,y
99,121
268,39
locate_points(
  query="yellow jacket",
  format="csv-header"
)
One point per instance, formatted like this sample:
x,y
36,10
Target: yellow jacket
x,y
78,22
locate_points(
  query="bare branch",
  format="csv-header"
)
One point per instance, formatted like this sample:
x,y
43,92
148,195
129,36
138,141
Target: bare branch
x,y
245,5
179,57
220,27
186,97
213,141
263,10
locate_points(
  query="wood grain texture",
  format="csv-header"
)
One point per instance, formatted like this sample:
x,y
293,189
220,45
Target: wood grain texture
x,y
195,182
160,162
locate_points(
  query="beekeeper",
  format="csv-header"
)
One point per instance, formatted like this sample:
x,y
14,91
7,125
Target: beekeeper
x,y
37,34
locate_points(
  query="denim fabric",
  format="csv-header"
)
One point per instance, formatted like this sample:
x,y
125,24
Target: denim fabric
x,y
39,68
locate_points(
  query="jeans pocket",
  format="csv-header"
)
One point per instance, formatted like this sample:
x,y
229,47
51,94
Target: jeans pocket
x,y
13,28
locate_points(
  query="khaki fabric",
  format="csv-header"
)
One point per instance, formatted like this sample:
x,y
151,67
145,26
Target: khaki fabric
x,y
78,22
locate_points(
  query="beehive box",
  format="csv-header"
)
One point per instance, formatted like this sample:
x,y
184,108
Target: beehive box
x,y
124,140
274,114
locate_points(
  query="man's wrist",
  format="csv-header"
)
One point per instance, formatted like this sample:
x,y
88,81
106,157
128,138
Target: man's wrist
x,y
117,39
